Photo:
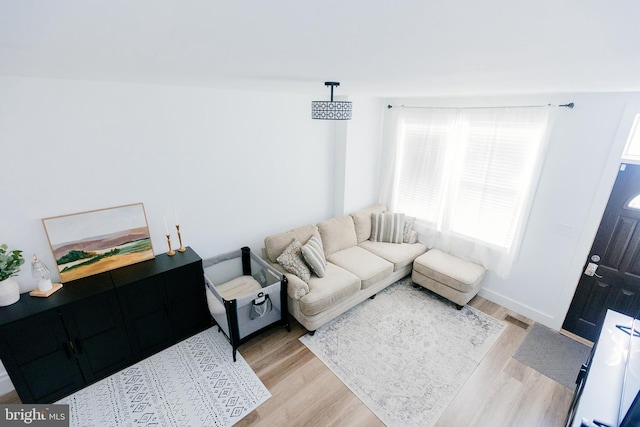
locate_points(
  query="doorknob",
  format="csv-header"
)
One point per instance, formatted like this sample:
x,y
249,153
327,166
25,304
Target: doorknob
x,y
591,270
593,266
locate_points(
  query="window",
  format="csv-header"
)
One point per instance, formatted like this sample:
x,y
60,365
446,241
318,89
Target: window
x,y
632,147
634,203
467,174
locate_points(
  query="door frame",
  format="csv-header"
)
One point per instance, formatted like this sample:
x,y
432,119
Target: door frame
x,y
596,210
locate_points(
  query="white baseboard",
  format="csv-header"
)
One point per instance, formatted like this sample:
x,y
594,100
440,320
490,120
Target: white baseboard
x,y
533,314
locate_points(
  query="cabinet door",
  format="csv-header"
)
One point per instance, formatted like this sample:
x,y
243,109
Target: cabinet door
x,y
187,300
96,329
146,315
38,357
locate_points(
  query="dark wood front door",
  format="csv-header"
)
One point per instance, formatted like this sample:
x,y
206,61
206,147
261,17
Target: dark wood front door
x,y
611,275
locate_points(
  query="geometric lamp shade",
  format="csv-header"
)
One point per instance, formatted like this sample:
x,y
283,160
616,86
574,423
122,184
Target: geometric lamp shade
x,y
331,110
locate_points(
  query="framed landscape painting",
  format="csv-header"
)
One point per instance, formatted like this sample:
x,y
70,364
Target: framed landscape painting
x,y
88,243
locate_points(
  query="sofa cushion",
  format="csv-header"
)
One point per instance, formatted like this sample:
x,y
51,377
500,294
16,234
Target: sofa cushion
x,y
337,233
362,221
369,268
291,259
337,285
400,255
313,254
275,244
387,227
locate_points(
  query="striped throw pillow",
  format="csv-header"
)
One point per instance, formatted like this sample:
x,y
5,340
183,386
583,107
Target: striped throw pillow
x,y
387,227
313,253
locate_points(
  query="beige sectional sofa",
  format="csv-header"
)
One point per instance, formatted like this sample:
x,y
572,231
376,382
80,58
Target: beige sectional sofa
x,y
356,265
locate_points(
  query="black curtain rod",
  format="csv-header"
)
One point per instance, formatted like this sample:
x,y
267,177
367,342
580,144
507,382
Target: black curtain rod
x,y
569,105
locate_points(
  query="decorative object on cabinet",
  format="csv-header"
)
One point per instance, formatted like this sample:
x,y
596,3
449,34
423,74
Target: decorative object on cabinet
x,y
88,243
10,263
171,252
9,292
40,271
100,324
331,110
38,293
181,248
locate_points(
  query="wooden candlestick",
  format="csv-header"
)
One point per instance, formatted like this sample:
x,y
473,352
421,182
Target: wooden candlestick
x,y
182,248
171,251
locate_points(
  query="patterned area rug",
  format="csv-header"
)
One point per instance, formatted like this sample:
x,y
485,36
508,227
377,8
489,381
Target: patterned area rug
x,y
193,383
406,353
553,354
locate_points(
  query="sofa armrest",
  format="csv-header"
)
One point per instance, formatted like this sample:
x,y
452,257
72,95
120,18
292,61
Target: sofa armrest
x,y
297,288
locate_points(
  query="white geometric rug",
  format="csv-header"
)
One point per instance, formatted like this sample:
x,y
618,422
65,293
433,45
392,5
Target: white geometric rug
x,y
193,383
406,353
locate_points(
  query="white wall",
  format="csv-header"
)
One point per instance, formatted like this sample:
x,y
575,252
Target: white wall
x,y
362,153
577,177
237,165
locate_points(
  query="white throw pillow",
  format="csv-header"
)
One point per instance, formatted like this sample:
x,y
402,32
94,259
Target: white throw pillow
x,y
408,227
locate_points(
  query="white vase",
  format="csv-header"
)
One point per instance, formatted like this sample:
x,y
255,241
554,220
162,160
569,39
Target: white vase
x,y
9,292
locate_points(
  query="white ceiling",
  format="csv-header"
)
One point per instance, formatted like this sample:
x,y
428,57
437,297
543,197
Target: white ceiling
x,y
379,47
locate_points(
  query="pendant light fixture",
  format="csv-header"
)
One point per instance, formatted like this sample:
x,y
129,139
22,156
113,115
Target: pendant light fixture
x,y
331,110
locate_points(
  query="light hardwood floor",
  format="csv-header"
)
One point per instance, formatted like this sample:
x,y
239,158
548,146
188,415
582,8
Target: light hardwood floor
x,y
500,392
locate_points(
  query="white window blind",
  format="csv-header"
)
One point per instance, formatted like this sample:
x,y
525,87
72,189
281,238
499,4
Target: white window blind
x,y
468,176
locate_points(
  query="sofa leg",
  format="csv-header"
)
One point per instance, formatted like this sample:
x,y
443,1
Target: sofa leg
x,y
373,296
312,333
459,307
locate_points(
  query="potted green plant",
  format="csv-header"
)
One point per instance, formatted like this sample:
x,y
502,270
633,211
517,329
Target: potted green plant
x,y
10,263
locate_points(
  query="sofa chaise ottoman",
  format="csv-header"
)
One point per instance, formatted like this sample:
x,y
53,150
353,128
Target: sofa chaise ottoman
x,y
448,276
